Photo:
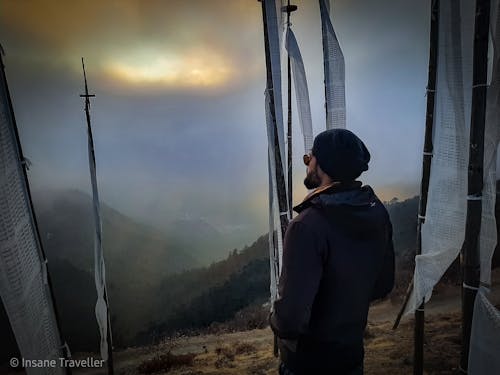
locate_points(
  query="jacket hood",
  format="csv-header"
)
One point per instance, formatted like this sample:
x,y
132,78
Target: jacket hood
x,y
355,209
356,198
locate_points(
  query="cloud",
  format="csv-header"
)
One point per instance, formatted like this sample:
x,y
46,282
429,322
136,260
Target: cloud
x,y
191,68
178,116
184,44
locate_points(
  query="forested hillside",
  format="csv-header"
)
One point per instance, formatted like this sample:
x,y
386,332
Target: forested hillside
x,y
197,298
147,298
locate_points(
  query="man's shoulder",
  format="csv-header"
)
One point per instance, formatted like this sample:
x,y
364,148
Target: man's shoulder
x,y
309,217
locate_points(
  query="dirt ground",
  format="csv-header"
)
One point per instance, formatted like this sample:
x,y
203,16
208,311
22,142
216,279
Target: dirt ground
x,y
387,351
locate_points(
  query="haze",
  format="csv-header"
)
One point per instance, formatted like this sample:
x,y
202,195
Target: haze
x,y
178,116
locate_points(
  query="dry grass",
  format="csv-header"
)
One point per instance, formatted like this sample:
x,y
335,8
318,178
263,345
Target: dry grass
x,y
390,352
387,352
244,348
165,362
226,354
225,357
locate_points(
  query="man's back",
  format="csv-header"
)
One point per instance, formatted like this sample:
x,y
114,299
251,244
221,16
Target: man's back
x,y
338,257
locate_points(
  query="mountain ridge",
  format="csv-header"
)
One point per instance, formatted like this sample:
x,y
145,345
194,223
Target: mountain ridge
x,y
142,309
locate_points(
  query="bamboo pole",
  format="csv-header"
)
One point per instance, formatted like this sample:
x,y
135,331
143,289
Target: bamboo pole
x,y
470,250
418,364
87,97
424,185
289,122
324,38
403,306
33,218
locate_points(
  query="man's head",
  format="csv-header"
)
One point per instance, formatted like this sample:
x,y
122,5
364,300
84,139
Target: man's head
x,y
337,155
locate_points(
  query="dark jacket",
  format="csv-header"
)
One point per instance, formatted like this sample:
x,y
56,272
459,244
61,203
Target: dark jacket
x,y
338,257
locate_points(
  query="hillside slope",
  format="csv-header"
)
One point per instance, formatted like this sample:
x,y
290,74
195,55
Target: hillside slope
x,y
137,259
146,304
200,297
131,249
387,352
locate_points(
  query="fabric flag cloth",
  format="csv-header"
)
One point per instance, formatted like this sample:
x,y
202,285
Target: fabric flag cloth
x,y
488,234
444,226
334,70
485,332
101,308
275,235
24,284
274,24
274,248
301,90
274,21
485,336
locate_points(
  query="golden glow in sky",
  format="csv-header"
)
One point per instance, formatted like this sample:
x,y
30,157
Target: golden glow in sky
x,y
140,44
195,68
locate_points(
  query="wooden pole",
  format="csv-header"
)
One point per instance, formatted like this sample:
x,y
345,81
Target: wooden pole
x,y
324,38
87,97
470,250
424,185
280,177
32,211
289,9
403,306
418,364
289,123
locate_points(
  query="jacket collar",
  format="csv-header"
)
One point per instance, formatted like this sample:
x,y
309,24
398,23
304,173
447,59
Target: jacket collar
x,y
334,187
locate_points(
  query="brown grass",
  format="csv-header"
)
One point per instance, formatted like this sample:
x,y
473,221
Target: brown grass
x,y
244,348
165,362
387,352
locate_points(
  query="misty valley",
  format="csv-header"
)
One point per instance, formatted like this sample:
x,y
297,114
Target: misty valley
x,y
161,284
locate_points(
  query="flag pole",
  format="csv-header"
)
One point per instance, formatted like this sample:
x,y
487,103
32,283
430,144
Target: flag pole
x,y
325,67
469,256
289,9
424,185
418,366
87,97
280,177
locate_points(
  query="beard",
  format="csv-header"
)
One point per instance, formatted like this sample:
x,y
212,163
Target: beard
x,y
312,180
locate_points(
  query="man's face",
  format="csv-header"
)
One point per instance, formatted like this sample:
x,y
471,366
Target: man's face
x,y
312,180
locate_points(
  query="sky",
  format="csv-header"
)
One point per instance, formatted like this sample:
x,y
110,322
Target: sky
x,y
178,117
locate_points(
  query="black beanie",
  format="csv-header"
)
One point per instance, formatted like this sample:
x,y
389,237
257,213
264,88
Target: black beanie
x,y
341,154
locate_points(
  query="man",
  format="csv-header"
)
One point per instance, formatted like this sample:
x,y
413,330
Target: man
x,y
338,257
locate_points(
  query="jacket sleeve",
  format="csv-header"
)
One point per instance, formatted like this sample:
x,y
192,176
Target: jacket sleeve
x,y
298,283
385,280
